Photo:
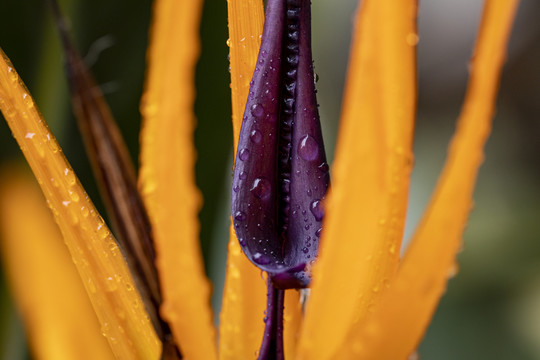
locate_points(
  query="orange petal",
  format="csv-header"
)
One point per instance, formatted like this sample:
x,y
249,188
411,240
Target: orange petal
x,y
244,297
101,266
292,320
241,323
368,199
57,313
246,19
408,306
167,178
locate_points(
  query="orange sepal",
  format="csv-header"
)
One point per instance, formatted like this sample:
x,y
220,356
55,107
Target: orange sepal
x,y
244,297
167,178
58,316
408,306
102,268
367,201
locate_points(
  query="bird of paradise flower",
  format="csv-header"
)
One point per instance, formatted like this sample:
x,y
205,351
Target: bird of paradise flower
x,y
383,298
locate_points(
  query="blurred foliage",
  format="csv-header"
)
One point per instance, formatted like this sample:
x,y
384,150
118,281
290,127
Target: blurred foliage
x,y
492,308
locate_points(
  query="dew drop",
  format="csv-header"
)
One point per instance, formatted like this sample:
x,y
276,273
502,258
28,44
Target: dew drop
x,y
305,250
317,210
412,39
324,167
243,175
12,75
91,286
28,101
74,196
240,216
261,259
256,136
453,271
257,110
244,154
110,284
286,186
308,149
261,188
70,176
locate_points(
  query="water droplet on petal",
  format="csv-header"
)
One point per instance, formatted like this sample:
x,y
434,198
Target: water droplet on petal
x,y
261,259
255,136
261,188
244,154
453,271
240,216
257,110
412,39
317,210
324,167
243,175
308,149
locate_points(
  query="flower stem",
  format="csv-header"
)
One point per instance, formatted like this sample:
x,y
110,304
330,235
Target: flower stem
x,y
272,343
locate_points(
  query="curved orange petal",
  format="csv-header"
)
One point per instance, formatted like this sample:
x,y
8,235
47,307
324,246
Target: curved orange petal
x,y
101,266
292,320
408,306
244,297
167,178
246,19
368,199
58,315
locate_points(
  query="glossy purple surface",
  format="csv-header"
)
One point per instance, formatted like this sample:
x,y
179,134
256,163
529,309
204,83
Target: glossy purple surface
x,y
272,342
281,174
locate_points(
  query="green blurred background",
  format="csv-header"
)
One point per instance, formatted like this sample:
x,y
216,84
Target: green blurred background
x,y
492,307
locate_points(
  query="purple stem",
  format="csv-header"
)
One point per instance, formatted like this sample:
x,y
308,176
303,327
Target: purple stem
x,y
272,343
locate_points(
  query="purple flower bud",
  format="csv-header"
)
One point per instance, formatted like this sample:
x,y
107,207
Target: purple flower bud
x,y
280,175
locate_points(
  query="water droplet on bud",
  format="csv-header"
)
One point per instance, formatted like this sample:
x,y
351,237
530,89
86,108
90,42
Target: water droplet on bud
x,y
255,136
257,110
240,216
244,154
261,259
317,210
261,188
308,149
